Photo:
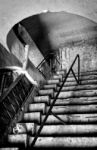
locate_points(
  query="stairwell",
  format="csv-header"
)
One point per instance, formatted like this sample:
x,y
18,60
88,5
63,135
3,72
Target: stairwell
x,y
72,122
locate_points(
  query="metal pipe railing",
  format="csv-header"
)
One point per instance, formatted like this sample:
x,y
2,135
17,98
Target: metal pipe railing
x,y
50,109
45,60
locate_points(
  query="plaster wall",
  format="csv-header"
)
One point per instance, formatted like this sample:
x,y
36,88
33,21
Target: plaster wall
x,y
34,55
88,55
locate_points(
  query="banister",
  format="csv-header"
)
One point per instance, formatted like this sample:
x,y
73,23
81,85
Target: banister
x,y
44,60
49,111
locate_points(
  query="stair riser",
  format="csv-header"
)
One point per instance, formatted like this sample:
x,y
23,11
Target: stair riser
x,y
77,94
87,77
38,107
53,81
51,86
81,87
74,83
42,99
67,129
79,118
74,109
32,117
19,139
63,102
49,92
65,142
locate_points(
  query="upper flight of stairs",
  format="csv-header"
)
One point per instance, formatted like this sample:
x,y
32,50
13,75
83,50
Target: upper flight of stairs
x,y
76,107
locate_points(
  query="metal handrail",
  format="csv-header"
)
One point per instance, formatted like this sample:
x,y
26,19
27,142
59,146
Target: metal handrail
x,y
44,60
49,111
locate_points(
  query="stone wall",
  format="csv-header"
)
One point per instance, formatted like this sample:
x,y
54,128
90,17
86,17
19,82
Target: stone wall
x,y
8,59
87,51
34,55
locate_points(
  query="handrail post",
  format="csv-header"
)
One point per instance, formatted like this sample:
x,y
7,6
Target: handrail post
x,y
78,69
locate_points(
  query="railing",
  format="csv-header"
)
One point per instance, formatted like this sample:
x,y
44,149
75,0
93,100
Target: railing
x,y
12,100
48,59
50,109
6,79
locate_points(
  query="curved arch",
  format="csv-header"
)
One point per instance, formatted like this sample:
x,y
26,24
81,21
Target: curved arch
x,y
14,11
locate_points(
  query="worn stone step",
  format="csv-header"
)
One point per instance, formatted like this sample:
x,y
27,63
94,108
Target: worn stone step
x,y
36,107
10,148
63,142
53,81
81,93
42,99
24,128
83,82
74,109
72,118
32,117
61,130
61,72
47,92
50,86
78,87
57,76
86,72
75,101
17,139
87,77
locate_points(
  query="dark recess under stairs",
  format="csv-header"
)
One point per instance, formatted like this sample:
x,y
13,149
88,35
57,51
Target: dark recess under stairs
x,y
76,107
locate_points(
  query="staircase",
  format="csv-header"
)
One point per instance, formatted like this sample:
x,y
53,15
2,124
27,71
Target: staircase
x,y
72,122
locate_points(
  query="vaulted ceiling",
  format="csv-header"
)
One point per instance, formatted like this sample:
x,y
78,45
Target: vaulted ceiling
x,y
52,30
77,19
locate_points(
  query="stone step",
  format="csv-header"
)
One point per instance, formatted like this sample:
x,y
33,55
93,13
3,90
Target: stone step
x,y
63,142
47,92
72,118
74,109
81,93
50,86
54,141
87,77
10,148
75,101
42,99
61,130
83,82
23,128
37,107
78,87
57,76
53,81
61,72
93,72
17,139
34,117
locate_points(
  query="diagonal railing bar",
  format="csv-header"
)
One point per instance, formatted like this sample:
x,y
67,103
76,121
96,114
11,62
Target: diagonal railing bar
x,y
44,60
58,61
79,70
75,76
58,118
50,109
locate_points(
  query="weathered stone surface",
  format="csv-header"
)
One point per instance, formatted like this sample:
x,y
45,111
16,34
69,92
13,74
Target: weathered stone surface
x,y
65,142
36,107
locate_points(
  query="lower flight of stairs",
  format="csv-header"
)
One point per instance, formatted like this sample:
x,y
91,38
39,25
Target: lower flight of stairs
x,y
76,107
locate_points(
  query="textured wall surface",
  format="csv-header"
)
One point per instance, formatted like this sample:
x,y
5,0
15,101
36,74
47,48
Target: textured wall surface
x,y
8,59
13,11
88,55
